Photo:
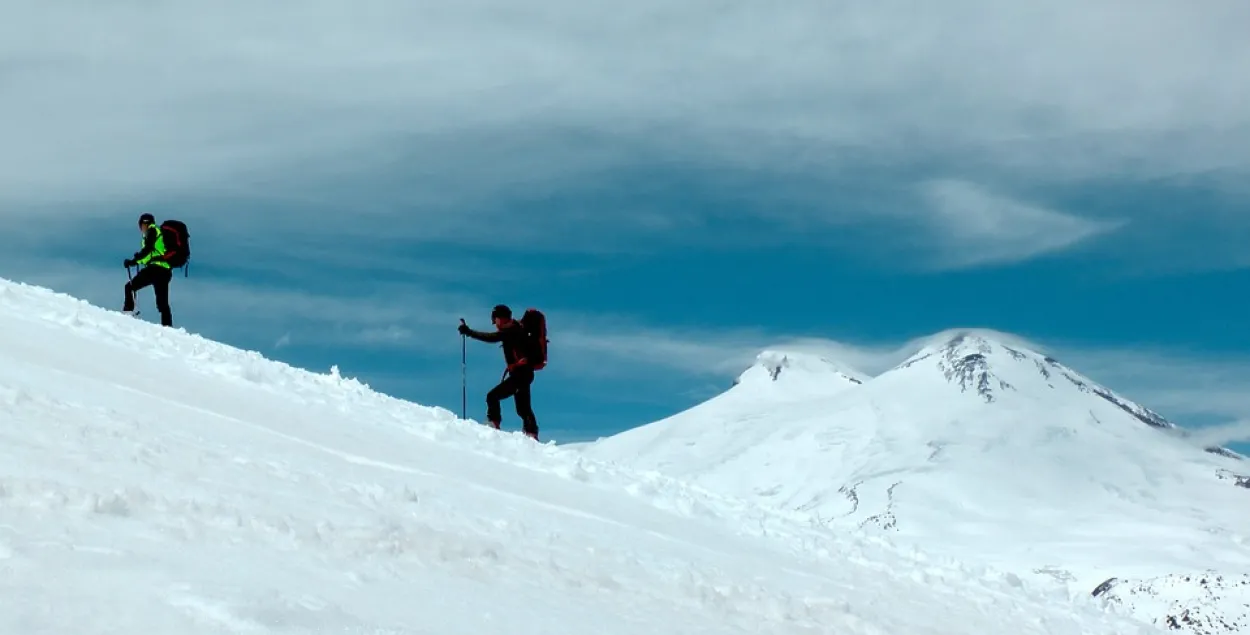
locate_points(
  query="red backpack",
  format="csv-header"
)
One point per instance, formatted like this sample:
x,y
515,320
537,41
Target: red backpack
x,y
535,325
177,243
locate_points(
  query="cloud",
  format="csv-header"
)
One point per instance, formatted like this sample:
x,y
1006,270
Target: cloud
x,y
1219,435
1183,384
981,227
435,120
663,350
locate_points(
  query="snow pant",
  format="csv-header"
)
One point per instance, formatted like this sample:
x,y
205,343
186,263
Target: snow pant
x,y
517,386
158,278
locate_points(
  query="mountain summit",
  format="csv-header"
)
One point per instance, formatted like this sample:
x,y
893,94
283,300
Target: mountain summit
x,y
794,371
993,370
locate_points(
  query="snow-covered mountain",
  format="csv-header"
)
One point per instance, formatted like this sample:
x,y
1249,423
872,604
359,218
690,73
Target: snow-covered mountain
x,y
156,482
974,447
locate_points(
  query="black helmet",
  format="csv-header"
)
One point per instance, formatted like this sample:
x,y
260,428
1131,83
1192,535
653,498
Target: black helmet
x,y
501,311
147,218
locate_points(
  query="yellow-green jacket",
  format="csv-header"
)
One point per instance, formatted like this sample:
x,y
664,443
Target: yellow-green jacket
x,y
152,252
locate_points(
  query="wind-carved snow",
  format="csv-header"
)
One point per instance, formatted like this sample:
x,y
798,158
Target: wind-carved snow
x,y
976,448
156,482
1207,603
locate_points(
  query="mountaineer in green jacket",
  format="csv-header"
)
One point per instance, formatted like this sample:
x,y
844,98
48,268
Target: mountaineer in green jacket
x,y
156,272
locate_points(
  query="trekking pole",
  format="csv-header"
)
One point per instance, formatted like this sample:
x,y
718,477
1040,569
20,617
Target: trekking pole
x,y
464,355
132,291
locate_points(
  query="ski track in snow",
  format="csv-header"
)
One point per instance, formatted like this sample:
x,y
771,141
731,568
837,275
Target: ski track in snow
x,y
155,482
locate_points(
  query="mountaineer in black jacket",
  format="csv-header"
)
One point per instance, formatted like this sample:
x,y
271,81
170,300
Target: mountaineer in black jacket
x,y
520,374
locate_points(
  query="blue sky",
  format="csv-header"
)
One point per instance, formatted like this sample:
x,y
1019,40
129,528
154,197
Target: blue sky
x,y
677,186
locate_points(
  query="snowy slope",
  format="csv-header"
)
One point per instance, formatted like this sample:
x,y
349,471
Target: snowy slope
x,y
976,448
155,482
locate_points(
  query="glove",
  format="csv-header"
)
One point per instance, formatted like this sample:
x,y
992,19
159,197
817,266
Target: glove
x,y
463,328
129,262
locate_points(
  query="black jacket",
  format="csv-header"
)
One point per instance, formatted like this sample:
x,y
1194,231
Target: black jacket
x,y
515,343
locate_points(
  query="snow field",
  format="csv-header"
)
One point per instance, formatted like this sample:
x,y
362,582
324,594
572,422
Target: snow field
x,y
155,482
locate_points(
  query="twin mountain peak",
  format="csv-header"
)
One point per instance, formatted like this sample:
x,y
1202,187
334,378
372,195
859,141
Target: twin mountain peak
x,y
958,364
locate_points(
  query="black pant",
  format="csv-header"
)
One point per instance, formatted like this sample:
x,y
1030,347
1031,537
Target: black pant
x,y
158,278
517,386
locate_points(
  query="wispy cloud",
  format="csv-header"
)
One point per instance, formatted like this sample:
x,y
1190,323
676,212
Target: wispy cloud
x,y
977,226
1183,383
1218,435
664,350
